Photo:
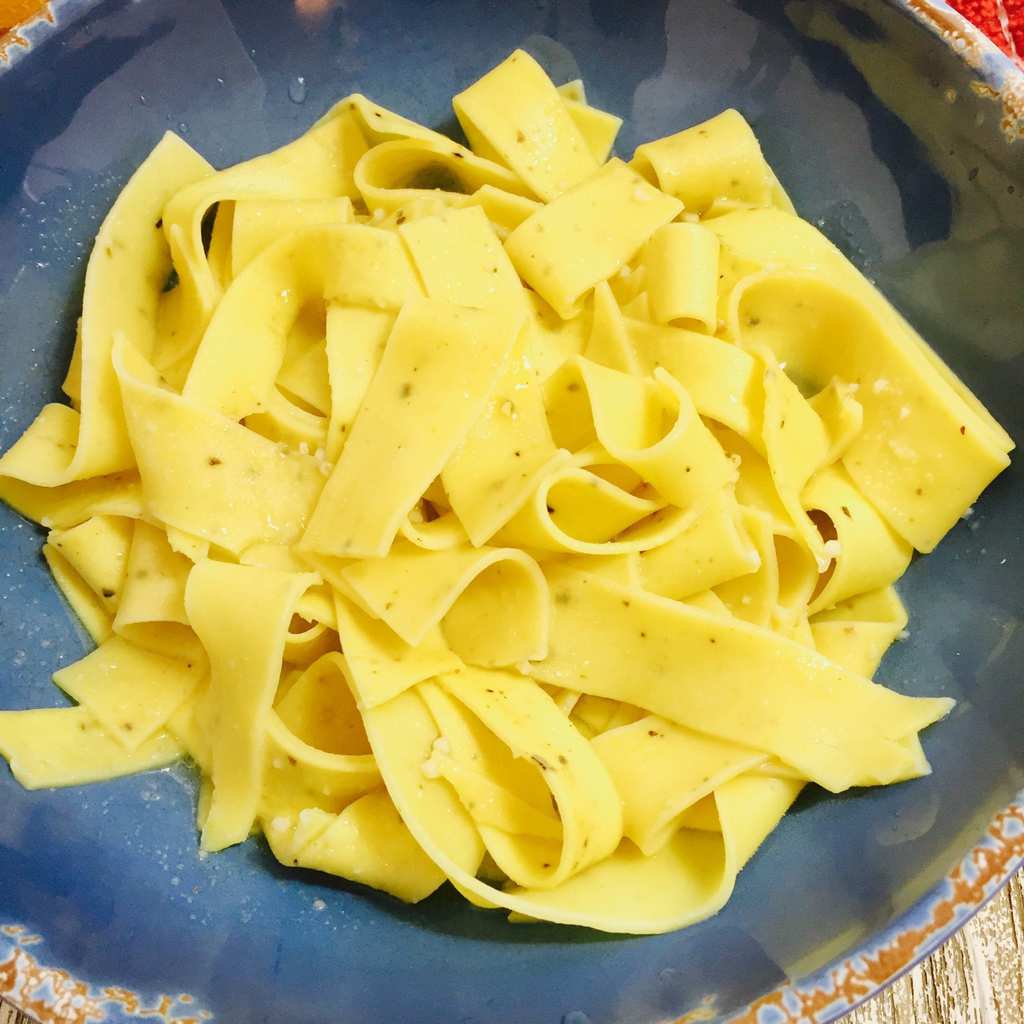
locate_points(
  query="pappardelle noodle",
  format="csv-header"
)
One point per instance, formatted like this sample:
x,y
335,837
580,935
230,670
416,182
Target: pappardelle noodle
x,y
512,515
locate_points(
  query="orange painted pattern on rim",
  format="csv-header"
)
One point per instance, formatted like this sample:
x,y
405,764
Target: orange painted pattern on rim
x,y
13,15
55,996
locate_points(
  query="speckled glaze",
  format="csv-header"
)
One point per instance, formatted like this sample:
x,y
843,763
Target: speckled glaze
x,y
895,128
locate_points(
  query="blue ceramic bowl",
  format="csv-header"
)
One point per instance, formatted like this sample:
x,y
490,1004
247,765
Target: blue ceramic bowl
x,y
893,127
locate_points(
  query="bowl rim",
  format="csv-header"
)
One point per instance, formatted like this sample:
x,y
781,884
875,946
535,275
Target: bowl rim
x,y
873,964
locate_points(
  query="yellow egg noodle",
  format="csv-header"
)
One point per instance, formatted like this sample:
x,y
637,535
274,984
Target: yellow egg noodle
x,y
511,515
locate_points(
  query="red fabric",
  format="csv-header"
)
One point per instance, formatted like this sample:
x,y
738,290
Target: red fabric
x,y
1001,20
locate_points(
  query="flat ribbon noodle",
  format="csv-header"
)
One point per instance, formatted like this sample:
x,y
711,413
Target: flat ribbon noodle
x,y
132,693
68,747
870,553
257,223
616,642
241,615
435,349
576,511
563,251
719,158
251,490
857,632
661,770
681,263
151,609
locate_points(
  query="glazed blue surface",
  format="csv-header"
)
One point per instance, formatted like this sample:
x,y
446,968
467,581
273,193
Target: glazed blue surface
x,y
916,183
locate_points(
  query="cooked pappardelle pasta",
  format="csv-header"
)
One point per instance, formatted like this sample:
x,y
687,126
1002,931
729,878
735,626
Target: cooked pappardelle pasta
x,y
513,516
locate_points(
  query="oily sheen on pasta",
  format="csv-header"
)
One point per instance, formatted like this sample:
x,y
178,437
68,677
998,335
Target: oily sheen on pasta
x,y
515,516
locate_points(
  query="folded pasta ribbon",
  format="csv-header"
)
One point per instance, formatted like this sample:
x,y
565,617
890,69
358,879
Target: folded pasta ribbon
x,y
398,172
127,269
575,510
690,878
350,264
514,115
506,729
490,602
923,429
651,426
317,165
717,159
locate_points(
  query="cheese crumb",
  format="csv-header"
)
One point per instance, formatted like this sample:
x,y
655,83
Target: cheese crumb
x,y
279,824
625,270
904,412
880,385
378,214
833,548
319,905
303,448
968,512
902,452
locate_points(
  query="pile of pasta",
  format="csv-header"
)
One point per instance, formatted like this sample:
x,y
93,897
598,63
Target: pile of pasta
x,y
508,515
